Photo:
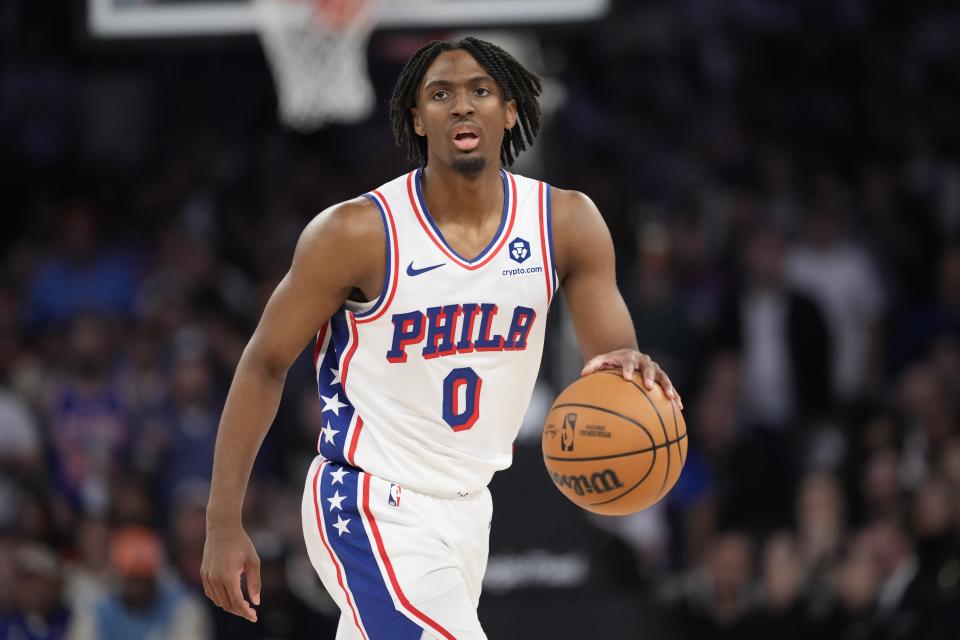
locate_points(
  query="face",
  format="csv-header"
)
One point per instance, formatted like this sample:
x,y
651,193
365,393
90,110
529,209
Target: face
x,y
462,112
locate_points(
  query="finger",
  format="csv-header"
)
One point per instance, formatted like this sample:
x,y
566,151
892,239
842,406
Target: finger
x,y
668,389
594,364
649,374
215,594
220,595
237,604
252,572
223,594
629,366
206,586
665,383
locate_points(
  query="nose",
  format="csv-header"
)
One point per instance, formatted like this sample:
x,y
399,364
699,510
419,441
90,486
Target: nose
x,y
461,105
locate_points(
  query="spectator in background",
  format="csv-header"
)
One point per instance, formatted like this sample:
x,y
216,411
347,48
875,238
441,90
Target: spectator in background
x,y
842,278
90,429
190,417
88,572
39,612
919,330
821,522
143,602
659,319
784,576
82,277
904,607
719,599
20,451
782,337
936,525
188,530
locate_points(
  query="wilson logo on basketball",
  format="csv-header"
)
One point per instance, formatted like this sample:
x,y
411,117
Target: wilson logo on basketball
x,y
569,430
599,482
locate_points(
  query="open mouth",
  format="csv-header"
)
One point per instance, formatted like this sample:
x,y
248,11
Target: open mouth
x,y
466,141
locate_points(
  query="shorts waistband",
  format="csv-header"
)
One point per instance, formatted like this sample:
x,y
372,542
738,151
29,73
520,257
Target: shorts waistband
x,y
456,495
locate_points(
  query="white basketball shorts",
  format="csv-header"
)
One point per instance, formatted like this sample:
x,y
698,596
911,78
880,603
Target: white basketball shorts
x,y
401,565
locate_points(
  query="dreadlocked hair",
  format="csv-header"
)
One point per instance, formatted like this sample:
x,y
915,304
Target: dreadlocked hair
x,y
513,79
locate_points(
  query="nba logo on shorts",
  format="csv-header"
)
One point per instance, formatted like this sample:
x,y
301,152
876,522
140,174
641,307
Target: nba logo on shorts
x,y
394,498
519,249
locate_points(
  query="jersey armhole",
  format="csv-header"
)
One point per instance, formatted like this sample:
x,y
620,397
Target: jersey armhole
x,y
373,309
545,207
553,263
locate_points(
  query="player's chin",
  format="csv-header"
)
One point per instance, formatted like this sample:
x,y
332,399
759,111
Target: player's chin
x,y
468,164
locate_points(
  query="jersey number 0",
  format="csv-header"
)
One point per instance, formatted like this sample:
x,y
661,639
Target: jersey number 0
x,y
461,398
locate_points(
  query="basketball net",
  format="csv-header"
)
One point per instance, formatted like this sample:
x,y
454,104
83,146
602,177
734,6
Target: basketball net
x,y
317,51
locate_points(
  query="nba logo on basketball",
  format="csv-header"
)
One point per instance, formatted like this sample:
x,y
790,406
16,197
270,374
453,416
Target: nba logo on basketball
x,y
569,429
394,498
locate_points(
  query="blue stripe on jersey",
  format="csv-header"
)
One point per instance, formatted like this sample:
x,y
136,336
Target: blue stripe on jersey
x,y
355,551
553,264
336,409
389,262
436,230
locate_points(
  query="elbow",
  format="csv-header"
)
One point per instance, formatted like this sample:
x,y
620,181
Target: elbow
x,y
263,365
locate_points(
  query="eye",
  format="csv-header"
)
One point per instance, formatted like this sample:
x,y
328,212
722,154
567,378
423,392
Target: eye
x,y
483,91
439,95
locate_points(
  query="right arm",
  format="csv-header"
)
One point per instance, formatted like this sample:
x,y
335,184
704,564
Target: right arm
x,y
341,250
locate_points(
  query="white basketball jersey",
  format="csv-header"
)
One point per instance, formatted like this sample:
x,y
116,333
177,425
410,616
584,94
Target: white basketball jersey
x,y
426,386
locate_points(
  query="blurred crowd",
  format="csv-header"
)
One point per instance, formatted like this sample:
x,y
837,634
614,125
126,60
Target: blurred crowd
x,y
782,181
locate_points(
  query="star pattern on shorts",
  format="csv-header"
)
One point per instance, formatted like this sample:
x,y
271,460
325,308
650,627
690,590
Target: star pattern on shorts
x,y
336,500
332,403
338,475
328,433
341,525
336,376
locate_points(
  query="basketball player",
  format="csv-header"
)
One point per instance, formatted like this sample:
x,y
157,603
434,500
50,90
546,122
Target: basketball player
x,y
427,298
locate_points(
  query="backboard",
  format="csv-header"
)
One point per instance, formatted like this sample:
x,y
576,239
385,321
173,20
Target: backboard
x,y
159,18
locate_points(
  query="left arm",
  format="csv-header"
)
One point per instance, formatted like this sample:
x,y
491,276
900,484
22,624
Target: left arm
x,y
587,271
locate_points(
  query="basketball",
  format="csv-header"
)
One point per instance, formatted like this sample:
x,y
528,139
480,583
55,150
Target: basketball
x,y
612,446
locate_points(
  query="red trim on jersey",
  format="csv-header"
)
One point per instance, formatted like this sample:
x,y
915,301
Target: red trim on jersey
x,y
396,262
389,567
354,440
344,369
318,347
344,366
426,228
547,267
323,538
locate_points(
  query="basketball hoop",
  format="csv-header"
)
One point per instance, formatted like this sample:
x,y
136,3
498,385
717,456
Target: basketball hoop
x,y
317,51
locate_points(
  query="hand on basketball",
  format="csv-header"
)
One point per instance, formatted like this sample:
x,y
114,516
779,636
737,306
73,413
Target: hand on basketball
x,y
226,556
630,360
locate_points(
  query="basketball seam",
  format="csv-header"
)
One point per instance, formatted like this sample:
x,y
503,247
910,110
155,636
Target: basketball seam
x,y
653,462
666,436
617,455
676,431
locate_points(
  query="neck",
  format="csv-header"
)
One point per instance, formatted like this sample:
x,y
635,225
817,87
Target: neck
x,y
452,196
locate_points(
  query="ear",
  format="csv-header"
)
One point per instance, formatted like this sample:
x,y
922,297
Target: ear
x,y
417,122
511,114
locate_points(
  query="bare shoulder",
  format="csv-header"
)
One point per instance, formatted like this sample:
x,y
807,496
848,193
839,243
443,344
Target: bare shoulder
x,y
347,240
351,221
578,228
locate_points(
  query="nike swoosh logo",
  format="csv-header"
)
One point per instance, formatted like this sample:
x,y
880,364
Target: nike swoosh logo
x,y
411,271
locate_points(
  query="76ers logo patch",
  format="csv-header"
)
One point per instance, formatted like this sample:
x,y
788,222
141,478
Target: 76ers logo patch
x,y
394,498
519,249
